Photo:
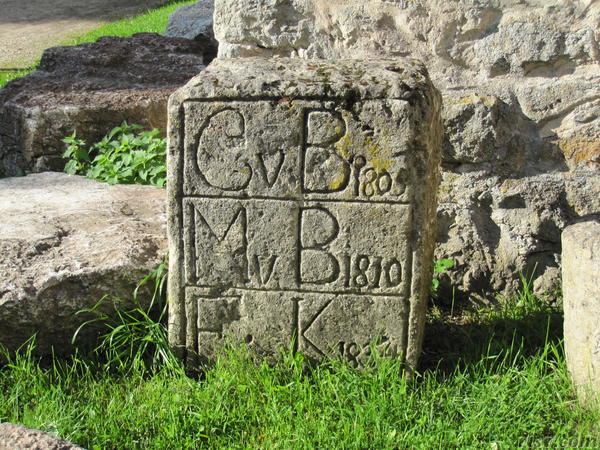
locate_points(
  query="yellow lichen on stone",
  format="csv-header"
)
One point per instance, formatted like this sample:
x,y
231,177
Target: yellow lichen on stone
x,y
337,182
579,149
343,146
377,157
486,100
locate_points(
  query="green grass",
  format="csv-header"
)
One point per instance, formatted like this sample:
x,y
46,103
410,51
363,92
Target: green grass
x,y
6,76
508,388
150,21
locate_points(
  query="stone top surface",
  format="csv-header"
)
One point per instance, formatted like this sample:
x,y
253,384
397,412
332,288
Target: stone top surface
x,y
288,77
584,237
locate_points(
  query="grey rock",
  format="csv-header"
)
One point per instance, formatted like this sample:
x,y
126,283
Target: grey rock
x,y
301,207
521,88
507,36
65,241
507,192
90,89
580,274
195,21
16,437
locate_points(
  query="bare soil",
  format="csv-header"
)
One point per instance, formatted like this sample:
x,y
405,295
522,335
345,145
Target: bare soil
x,y
27,27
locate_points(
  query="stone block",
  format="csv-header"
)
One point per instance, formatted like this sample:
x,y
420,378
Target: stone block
x,y
581,273
301,204
90,88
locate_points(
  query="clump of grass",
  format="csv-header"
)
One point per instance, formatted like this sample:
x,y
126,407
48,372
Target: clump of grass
x,y
126,155
6,76
154,21
524,320
135,340
515,395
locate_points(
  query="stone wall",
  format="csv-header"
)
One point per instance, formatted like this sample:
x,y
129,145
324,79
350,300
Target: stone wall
x,y
521,88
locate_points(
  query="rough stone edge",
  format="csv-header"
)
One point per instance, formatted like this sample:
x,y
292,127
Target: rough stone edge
x,y
432,103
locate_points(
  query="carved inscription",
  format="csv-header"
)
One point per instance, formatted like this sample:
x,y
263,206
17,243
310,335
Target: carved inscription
x,y
302,234
226,156
221,156
269,166
324,169
335,160
216,243
358,354
236,150
213,313
272,244
317,265
319,334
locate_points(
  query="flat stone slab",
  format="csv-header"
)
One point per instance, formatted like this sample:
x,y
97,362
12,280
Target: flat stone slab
x,y
581,293
65,242
301,207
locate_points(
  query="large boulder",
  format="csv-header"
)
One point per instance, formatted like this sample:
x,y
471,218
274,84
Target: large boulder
x,y
66,241
195,21
521,87
90,88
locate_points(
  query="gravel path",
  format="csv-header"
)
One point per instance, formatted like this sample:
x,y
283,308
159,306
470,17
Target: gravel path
x,y
27,27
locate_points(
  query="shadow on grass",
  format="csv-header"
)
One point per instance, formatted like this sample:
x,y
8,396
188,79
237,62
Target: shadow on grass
x,y
453,342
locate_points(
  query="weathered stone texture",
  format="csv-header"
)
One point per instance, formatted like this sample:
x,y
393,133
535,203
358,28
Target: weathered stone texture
x,y
302,205
195,21
18,437
521,88
90,88
581,290
65,241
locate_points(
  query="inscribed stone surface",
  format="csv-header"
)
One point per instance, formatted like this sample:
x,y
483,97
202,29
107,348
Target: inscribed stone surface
x,y
301,207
